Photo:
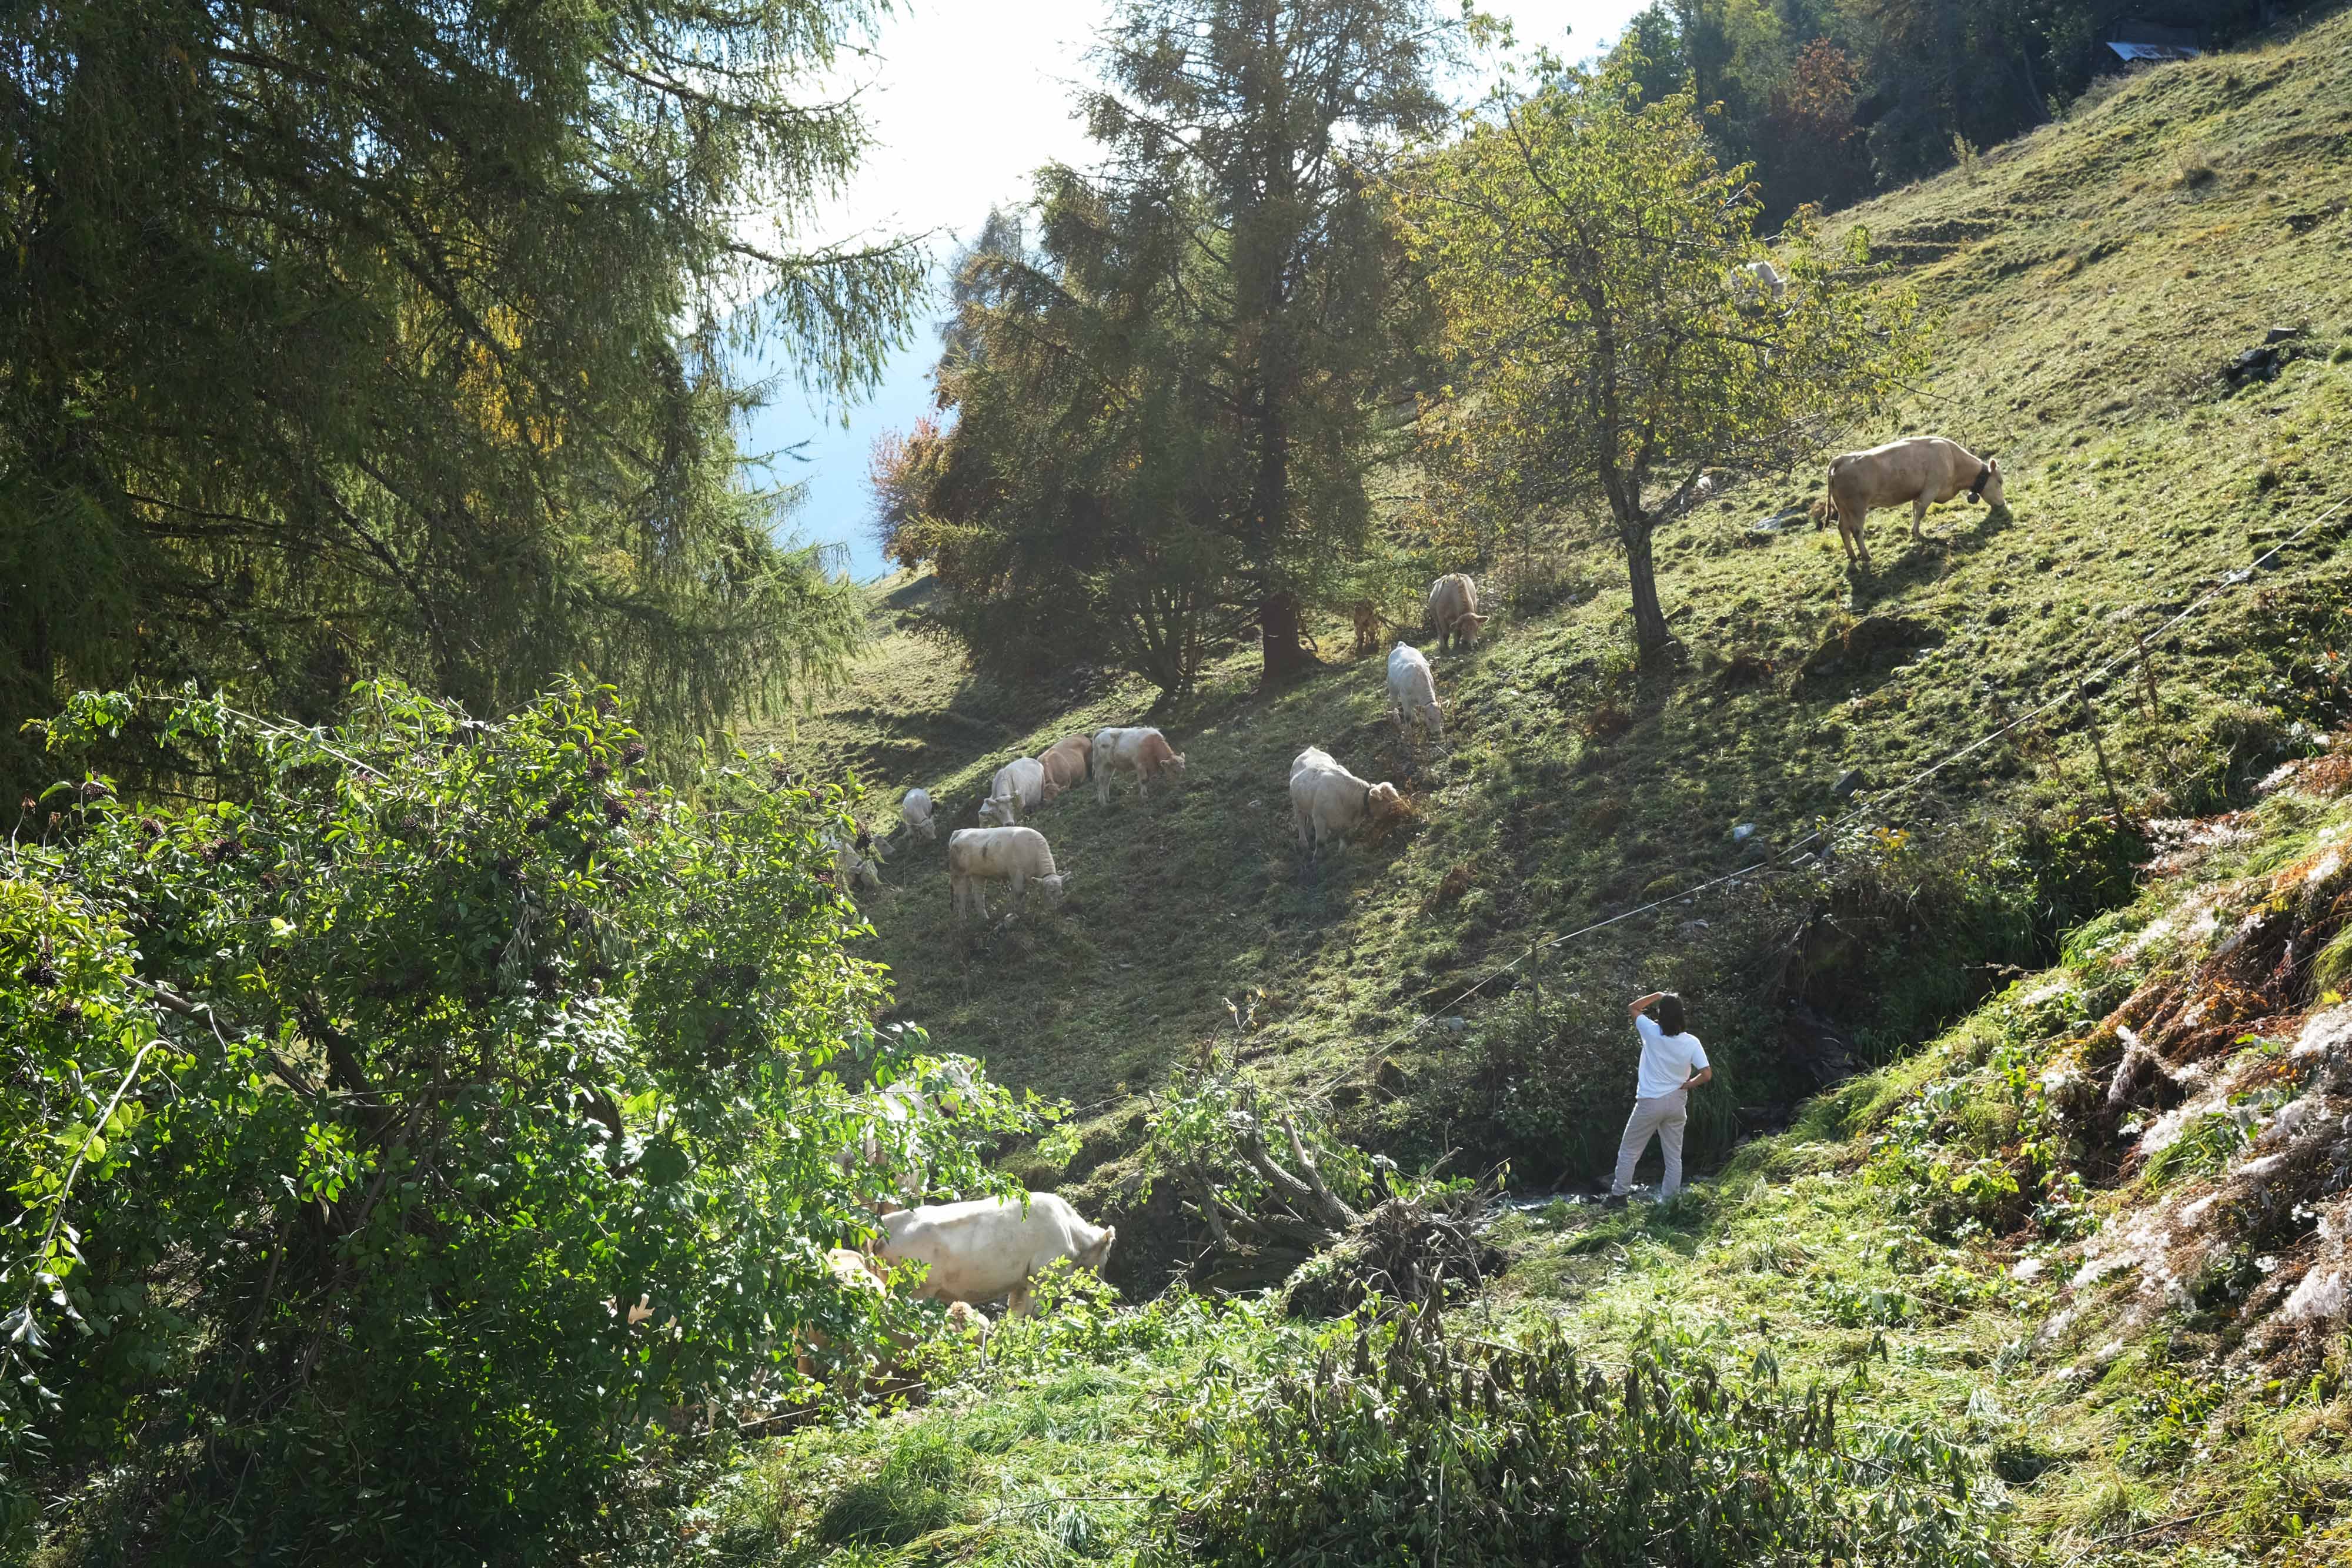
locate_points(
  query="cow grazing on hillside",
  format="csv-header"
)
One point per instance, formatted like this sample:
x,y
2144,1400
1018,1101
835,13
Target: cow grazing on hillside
x,y
1015,855
903,1108
1754,282
915,811
1019,786
1142,751
850,868
1452,612
852,1271
1064,762
1367,628
1924,470
992,1247
1328,803
1412,694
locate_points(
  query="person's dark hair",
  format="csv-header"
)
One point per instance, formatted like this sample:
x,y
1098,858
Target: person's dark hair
x,y
1670,1013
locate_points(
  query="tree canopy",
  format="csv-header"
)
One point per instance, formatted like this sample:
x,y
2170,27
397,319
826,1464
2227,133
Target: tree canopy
x,y
1581,244
346,1117
1164,413
348,338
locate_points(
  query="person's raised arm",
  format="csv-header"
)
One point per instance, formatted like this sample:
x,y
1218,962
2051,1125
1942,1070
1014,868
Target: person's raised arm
x,y
1642,1004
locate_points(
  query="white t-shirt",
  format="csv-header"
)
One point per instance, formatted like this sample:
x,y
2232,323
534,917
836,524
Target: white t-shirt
x,y
1667,1060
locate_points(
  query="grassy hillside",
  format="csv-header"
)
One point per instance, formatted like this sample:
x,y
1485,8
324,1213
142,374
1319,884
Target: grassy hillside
x,y
2122,1307
2091,281
2080,1218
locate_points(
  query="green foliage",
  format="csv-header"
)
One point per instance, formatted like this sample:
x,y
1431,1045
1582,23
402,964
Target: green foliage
x,y
392,1142
2205,1144
1581,244
1475,1452
345,338
2169,1415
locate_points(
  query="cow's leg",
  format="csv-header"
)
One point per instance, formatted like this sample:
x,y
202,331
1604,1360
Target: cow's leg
x,y
1298,820
1018,1301
1019,888
1919,513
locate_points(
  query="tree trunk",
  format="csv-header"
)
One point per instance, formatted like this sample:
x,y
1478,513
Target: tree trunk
x,y
1285,654
1650,633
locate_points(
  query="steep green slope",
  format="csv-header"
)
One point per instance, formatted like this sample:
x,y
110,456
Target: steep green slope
x,y
2089,1245
2092,281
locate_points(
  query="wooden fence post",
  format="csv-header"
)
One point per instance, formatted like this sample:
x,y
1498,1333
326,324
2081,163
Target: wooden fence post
x,y
2106,774
2147,684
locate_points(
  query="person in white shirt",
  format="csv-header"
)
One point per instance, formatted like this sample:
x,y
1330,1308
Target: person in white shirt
x,y
1673,1064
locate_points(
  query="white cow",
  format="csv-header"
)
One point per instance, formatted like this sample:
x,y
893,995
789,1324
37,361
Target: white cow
x,y
1019,786
1017,855
1412,694
903,1107
1755,281
915,811
1452,614
1923,470
992,1247
1328,803
849,867
1140,750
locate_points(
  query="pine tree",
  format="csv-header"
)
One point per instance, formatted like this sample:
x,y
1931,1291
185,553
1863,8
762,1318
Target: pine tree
x,y
346,338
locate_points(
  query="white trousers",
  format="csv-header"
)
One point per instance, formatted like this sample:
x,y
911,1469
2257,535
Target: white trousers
x,y
1662,1117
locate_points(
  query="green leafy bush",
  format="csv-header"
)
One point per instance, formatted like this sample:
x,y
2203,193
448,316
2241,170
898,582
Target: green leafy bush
x,y
401,1121
1476,1453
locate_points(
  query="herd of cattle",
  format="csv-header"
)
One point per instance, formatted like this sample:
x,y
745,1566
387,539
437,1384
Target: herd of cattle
x,y
976,1252
1328,803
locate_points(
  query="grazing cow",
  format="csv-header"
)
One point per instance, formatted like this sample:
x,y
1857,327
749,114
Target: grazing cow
x,y
1142,751
1452,612
849,867
852,1271
1064,762
1020,785
1328,803
992,1247
903,1107
915,811
1754,282
1412,694
1017,855
1923,470
1367,628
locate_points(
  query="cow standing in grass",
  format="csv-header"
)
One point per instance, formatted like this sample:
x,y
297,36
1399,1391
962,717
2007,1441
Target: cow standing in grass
x,y
1328,803
1924,470
1142,751
1413,695
1452,612
1015,855
993,1246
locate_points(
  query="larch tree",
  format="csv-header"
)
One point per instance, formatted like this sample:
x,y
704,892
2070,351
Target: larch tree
x,y
346,338
1581,244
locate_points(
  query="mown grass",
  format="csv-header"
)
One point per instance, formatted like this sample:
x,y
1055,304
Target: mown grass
x,y
2088,295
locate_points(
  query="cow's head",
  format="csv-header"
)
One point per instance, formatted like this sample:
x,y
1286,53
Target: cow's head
x,y
1048,792
1095,1256
1990,488
1176,764
999,811
1468,624
1435,712
1384,800
1054,885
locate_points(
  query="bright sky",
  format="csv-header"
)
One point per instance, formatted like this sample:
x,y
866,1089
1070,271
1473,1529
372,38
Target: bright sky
x,y
965,100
